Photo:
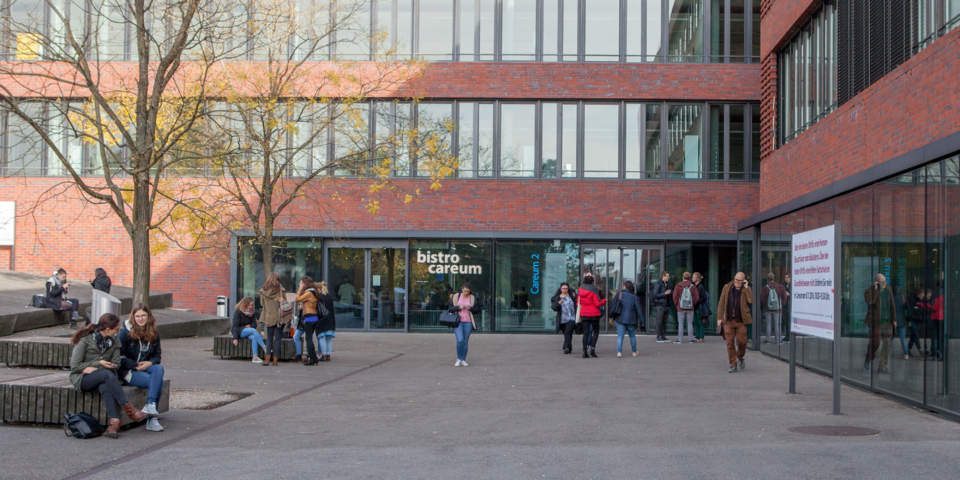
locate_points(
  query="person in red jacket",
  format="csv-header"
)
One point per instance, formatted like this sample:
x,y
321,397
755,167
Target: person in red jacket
x,y
936,326
589,301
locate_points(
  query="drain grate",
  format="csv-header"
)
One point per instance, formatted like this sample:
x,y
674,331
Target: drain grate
x,y
835,431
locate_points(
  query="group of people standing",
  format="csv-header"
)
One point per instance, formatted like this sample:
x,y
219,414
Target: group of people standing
x,y
108,355
317,319
919,317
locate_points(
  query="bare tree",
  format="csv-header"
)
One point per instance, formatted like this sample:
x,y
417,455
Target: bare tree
x,y
110,90
290,122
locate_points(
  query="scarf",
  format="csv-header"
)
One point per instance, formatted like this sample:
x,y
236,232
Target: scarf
x,y
103,343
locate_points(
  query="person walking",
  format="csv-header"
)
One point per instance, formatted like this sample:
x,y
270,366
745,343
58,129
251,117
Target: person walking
x,y
733,317
881,320
270,294
773,297
140,360
701,309
915,315
785,313
308,296
631,315
660,298
101,281
902,324
245,324
327,324
589,300
465,304
564,302
685,297
936,327
57,286
93,367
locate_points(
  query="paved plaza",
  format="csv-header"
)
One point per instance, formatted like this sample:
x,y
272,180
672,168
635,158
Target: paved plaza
x,y
394,406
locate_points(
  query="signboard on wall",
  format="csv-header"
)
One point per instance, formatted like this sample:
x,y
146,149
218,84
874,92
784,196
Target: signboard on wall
x,y
814,267
8,222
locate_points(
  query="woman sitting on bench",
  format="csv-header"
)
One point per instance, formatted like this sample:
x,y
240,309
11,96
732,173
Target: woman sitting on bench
x,y
246,323
140,359
93,367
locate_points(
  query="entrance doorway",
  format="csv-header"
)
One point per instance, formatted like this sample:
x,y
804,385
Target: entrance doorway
x,y
611,265
369,281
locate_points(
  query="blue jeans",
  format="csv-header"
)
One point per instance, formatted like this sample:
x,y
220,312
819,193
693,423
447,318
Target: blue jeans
x,y
151,379
902,333
296,341
325,344
630,330
256,340
462,333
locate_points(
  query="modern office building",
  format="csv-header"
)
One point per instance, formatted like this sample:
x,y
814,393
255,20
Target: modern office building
x,y
620,138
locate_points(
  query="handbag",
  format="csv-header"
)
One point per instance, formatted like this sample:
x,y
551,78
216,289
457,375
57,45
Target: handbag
x,y
286,311
578,310
450,319
617,308
81,425
321,308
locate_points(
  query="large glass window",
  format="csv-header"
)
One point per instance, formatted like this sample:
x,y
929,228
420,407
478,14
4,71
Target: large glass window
x,y
601,144
684,141
519,32
517,140
549,137
434,131
685,29
644,31
395,23
528,273
438,269
24,155
602,30
293,258
436,30
477,30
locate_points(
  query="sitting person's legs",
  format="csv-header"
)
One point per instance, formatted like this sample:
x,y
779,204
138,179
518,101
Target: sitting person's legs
x,y
152,380
256,340
106,382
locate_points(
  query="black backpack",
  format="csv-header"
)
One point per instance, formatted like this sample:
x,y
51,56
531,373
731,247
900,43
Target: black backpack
x,y
39,301
81,425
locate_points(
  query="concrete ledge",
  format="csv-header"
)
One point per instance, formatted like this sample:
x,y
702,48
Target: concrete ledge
x,y
181,323
36,351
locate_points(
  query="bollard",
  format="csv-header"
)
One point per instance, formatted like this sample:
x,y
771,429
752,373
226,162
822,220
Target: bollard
x,y
103,303
223,306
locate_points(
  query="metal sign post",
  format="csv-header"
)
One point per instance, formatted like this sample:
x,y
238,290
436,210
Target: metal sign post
x,y
837,297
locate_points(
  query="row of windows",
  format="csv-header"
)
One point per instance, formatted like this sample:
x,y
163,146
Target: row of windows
x,y
493,139
934,19
436,30
807,76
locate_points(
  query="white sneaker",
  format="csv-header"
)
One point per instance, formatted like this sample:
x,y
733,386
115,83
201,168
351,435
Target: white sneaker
x,y
153,425
150,409
457,364
463,363
256,359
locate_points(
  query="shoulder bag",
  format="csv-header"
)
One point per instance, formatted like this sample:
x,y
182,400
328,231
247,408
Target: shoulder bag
x,y
450,319
81,425
617,308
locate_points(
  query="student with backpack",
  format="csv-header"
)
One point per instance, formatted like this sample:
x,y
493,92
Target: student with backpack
x,y
685,297
270,295
702,308
774,297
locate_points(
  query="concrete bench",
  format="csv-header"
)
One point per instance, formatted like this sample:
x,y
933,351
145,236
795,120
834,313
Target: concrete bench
x,y
223,346
36,351
47,398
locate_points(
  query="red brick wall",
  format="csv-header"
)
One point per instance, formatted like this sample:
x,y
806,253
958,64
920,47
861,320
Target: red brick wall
x,y
780,19
910,107
67,232
5,257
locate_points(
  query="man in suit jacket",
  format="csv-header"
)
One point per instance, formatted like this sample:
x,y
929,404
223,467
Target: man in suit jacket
x,y
881,320
733,313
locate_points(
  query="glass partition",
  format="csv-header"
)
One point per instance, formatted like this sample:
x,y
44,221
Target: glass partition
x,y
528,273
438,269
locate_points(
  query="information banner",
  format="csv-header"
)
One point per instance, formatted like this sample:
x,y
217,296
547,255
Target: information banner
x,y
813,267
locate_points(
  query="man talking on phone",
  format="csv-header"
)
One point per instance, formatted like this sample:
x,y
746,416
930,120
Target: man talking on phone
x,y
881,320
733,316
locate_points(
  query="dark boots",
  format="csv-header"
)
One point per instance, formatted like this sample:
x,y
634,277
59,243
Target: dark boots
x,y
298,358
113,429
274,360
133,413
266,360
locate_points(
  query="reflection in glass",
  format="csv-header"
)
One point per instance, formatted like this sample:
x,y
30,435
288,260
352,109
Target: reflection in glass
x,y
548,135
353,38
644,31
685,30
434,129
601,145
477,30
465,128
388,295
602,30
643,141
519,30
684,142
551,30
571,30
432,282
718,30
528,273
347,280
738,31
738,138
517,140
395,21
293,258
485,140
568,145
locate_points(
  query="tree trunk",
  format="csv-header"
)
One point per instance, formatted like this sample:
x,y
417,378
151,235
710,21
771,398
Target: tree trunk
x,y
140,238
266,246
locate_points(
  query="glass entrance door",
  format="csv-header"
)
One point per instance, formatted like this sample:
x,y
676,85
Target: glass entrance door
x,y
369,281
612,265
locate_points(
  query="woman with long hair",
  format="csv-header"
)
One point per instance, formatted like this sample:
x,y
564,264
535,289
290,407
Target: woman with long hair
x,y
140,359
465,304
307,296
270,295
589,298
93,367
564,302
327,325
245,323
631,314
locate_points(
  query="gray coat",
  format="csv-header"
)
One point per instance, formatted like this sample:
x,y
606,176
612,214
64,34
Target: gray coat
x,y
632,311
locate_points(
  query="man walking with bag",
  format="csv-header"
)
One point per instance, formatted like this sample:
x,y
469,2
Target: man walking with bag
x,y
773,297
685,297
733,316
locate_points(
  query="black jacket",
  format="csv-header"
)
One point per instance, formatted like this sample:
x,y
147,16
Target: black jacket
x,y
329,322
55,293
131,353
241,321
555,306
102,283
659,297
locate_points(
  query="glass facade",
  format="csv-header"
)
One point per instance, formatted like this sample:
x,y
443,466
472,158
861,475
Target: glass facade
x,y
453,30
933,19
494,139
904,229
412,280
807,75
